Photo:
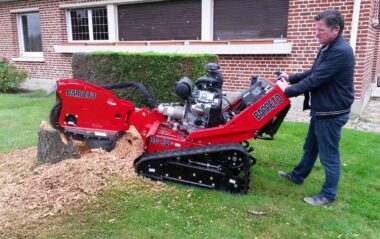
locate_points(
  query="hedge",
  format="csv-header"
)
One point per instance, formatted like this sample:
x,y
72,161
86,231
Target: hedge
x,y
11,78
158,71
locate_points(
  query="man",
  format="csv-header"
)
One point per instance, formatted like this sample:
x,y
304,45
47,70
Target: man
x,y
330,84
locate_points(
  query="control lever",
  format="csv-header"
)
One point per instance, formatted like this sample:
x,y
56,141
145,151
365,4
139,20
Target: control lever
x,y
281,82
254,80
278,72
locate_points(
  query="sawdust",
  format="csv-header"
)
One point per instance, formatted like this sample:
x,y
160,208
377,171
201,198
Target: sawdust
x,y
31,191
45,125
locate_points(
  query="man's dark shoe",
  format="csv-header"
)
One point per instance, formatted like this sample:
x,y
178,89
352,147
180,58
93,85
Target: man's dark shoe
x,y
318,200
288,176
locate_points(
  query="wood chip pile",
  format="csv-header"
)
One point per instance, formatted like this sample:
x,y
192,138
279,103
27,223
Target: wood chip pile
x,y
31,191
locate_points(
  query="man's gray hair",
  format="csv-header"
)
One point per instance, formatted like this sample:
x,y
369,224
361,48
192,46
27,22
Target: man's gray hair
x,y
333,19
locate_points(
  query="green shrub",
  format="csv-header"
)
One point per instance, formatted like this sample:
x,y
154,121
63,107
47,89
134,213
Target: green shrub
x,y
10,77
158,71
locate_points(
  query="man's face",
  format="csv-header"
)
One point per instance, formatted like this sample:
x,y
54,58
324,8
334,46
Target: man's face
x,y
325,34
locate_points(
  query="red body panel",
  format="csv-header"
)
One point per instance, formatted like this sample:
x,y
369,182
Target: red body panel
x,y
98,109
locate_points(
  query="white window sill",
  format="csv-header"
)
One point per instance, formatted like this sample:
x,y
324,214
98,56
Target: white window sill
x,y
220,48
29,59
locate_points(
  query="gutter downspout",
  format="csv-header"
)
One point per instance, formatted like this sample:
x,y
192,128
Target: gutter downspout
x,y
355,24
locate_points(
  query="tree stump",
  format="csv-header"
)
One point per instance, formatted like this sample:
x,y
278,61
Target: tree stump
x,y
53,146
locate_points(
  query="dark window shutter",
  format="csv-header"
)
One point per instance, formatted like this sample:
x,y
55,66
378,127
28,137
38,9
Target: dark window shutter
x,y
167,20
250,19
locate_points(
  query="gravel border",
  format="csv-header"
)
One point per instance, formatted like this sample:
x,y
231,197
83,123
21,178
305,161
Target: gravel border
x,y
355,122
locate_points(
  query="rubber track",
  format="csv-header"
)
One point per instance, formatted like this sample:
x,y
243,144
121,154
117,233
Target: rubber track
x,y
222,166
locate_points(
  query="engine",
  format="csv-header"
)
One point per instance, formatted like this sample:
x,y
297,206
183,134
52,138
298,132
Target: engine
x,y
203,105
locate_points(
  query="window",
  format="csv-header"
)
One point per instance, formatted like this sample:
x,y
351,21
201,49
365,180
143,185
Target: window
x,y
88,24
250,19
79,25
30,34
100,24
166,20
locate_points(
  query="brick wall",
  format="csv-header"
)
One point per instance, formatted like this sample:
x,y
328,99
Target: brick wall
x,y
376,56
8,33
238,69
366,47
53,32
376,66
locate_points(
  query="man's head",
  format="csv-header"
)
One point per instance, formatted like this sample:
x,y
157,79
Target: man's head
x,y
329,24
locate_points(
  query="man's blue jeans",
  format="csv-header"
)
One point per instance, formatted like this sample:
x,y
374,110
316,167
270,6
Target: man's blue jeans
x,y
322,139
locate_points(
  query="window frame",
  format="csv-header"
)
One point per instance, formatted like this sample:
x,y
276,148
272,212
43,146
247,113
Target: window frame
x,y
20,31
90,24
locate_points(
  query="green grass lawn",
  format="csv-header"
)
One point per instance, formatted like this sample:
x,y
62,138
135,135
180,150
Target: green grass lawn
x,y
20,116
134,209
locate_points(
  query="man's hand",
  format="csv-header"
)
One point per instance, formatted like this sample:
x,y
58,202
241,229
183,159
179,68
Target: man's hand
x,y
283,76
283,84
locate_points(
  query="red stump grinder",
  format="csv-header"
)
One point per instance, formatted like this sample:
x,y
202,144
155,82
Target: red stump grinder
x,y
201,142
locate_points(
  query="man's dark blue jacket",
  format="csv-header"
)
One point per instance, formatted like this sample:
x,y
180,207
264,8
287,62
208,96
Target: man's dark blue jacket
x,y
329,81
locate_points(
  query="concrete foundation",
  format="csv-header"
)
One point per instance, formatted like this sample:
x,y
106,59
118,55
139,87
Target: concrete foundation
x,y
37,84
